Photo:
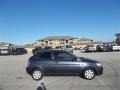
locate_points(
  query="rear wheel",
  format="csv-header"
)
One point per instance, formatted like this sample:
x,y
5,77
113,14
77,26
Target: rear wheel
x,y
37,74
89,73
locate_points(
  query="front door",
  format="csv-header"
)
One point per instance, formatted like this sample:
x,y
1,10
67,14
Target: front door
x,y
66,63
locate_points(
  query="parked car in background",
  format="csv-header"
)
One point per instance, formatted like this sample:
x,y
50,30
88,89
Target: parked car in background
x,y
115,47
19,51
102,48
34,51
99,48
5,52
77,48
67,48
90,48
38,49
60,62
106,48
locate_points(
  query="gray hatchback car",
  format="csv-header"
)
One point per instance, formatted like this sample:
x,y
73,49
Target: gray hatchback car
x,y
60,62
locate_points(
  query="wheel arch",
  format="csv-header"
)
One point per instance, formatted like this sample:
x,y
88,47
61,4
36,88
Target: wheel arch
x,y
40,68
88,68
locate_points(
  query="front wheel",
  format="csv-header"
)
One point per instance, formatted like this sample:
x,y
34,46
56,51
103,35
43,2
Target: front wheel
x,y
37,74
89,73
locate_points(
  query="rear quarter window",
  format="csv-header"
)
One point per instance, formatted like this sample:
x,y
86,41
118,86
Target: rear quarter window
x,y
45,55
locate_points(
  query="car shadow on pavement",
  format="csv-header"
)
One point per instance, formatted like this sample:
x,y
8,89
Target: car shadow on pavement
x,y
41,87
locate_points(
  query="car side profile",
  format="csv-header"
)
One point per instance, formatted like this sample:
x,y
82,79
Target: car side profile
x,y
90,48
5,51
19,51
38,49
60,62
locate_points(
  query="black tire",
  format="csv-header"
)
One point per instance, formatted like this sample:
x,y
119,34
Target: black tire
x,y
88,73
39,76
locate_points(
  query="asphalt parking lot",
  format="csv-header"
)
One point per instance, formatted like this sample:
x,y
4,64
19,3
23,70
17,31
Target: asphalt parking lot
x,y
13,75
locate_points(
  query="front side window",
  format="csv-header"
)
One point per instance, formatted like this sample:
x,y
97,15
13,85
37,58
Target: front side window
x,y
62,56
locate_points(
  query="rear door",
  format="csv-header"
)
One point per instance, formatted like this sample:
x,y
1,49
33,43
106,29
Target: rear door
x,y
46,62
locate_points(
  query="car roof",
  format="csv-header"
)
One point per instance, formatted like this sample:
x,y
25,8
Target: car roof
x,y
50,50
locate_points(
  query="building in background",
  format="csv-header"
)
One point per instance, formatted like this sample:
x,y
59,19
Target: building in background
x,y
81,43
4,45
117,38
54,41
85,40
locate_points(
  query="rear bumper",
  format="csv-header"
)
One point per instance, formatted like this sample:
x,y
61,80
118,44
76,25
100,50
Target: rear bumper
x,y
29,70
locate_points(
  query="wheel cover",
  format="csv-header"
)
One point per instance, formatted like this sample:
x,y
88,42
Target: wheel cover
x,y
89,74
37,74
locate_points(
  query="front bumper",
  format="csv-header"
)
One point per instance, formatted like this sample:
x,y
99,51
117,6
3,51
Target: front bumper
x,y
99,71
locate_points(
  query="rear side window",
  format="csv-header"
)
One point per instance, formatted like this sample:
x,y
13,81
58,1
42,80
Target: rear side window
x,y
45,55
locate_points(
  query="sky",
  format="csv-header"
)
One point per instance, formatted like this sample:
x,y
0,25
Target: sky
x,y
25,21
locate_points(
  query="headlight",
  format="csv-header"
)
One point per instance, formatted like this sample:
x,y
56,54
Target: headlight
x,y
98,64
